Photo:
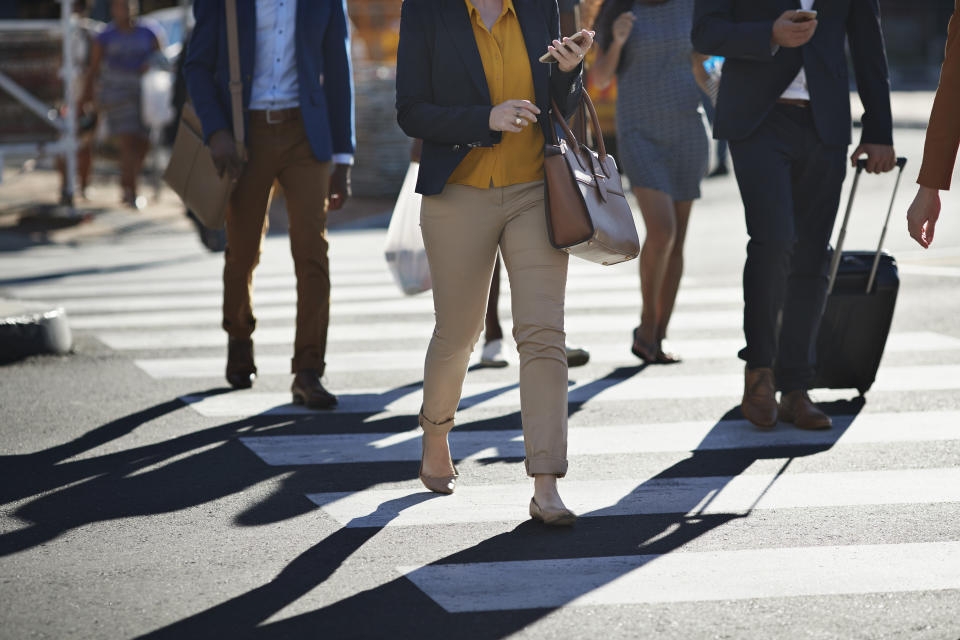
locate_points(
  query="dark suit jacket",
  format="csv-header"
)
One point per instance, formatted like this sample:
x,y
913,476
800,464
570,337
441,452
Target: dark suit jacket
x,y
323,70
442,94
943,134
754,77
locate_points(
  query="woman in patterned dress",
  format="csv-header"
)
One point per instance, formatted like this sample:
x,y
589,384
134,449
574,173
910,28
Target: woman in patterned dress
x,y
123,51
661,141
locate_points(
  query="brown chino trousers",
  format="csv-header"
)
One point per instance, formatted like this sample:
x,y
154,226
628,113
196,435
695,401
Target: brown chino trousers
x,y
462,228
280,152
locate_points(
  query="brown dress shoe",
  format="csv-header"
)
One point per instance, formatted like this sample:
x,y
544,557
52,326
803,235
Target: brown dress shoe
x,y
308,390
759,404
798,408
241,371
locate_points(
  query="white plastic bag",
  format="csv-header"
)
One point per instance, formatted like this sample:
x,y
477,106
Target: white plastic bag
x,y
156,98
404,250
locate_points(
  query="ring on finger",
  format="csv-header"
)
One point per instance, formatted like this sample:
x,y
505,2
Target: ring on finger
x,y
518,121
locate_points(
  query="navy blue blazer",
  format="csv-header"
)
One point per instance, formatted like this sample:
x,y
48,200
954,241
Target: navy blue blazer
x,y
442,93
754,77
323,70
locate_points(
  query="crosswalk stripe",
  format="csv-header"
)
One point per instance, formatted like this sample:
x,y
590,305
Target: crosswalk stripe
x,y
353,303
344,286
726,319
641,387
645,496
282,304
412,359
691,576
705,435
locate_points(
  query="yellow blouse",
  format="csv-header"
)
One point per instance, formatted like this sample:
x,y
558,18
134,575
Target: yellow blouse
x,y
519,156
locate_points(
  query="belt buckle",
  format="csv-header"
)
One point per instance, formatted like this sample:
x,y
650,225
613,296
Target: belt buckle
x,y
271,120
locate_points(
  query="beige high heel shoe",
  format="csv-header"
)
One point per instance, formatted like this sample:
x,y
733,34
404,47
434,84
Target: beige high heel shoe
x,y
557,518
439,484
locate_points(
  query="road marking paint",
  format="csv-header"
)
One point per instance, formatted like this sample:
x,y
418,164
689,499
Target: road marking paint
x,y
347,330
412,359
650,495
691,576
269,305
704,435
929,270
639,387
346,286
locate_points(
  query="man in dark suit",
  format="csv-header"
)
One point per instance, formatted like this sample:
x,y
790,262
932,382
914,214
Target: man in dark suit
x,y
784,106
298,107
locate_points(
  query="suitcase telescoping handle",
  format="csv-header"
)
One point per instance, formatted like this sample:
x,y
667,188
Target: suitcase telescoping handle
x,y
838,251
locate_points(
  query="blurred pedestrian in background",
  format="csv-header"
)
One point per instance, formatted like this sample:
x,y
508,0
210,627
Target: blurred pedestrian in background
x,y
120,57
661,141
784,107
470,85
940,147
298,103
708,98
84,39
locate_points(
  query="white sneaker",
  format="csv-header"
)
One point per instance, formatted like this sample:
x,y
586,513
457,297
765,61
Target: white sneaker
x,y
492,355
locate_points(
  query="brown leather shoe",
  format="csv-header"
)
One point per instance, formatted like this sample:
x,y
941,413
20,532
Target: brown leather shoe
x,y
798,408
241,371
308,390
759,404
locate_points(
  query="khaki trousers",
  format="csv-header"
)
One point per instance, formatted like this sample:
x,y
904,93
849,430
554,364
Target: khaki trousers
x,y
280,152
462,228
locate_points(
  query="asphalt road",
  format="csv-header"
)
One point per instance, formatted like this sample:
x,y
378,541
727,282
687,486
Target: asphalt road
x,y
139,496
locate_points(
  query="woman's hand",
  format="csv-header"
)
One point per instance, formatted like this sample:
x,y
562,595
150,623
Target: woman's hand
x,y
622,27
922,216
513,115
568,53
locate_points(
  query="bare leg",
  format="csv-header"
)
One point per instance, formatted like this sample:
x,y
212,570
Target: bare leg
x,y
671,279
545,492
659,217
133,151
84,166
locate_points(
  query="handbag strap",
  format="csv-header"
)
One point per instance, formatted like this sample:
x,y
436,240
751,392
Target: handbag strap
x,y
236,84
585,102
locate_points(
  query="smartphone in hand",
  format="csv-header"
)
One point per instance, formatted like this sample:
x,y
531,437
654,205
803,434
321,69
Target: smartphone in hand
x,y
804,15
578,37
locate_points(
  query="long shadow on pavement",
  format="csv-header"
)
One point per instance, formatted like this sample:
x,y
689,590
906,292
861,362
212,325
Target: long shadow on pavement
x,y
400,609
183,472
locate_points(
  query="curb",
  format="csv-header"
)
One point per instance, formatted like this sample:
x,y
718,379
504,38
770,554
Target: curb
x,y
28,329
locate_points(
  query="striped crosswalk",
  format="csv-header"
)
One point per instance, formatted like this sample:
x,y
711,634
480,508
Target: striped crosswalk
x,y
627,466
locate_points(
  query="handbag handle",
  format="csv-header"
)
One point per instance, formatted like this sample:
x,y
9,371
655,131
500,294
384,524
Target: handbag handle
x,y
236,84
585,101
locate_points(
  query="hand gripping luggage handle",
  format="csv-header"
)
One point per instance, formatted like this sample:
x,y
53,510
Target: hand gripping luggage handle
x,y
838,251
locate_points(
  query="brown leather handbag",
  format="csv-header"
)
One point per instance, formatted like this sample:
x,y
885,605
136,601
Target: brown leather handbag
x,y
587,212
191,172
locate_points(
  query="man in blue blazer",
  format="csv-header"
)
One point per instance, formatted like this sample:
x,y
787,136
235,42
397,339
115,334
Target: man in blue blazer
x,y
298,112
784,106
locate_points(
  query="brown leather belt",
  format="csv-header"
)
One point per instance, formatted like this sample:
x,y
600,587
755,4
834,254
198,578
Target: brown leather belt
x,y
274,116
794,102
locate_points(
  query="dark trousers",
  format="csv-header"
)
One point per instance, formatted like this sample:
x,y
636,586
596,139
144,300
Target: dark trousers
x,y
790,183
280,152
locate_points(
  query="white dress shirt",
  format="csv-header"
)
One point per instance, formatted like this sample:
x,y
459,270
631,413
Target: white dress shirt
x,y
798,88
275,85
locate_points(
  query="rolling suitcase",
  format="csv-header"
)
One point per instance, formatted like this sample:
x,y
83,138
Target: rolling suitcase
x,y
860,300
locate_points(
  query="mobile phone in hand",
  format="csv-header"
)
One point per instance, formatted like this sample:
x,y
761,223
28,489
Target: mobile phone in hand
x,y
548,57
803,15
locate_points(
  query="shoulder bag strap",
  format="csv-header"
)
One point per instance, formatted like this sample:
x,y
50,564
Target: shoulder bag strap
x,y
236,84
